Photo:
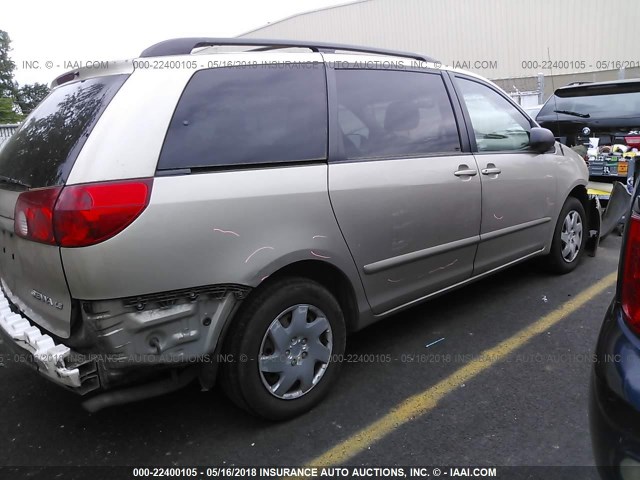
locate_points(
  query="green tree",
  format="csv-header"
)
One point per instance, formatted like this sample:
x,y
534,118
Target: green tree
x,y
7,66
7,113
14,99
51,137
29,96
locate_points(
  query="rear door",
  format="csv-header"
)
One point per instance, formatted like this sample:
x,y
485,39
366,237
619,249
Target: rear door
x,y
40,155
406,196
518,184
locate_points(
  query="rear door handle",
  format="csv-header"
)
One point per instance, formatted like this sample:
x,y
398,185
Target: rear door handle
x,y
491,171
465,171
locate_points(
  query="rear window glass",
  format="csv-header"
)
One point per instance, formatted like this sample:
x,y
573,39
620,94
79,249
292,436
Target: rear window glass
x,y
249,115
595,101
42,152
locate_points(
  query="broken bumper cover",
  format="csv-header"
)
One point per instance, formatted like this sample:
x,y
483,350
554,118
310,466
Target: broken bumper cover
x,y
131,348
40,351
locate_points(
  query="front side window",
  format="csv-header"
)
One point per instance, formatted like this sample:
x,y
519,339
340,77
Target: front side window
x,y
497,125
383,113
248,115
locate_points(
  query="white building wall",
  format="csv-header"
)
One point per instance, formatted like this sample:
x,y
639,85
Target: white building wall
x,y
505,32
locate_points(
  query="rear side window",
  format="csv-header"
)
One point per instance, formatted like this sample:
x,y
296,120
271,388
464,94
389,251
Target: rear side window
x,y
249,115
384,113
42,152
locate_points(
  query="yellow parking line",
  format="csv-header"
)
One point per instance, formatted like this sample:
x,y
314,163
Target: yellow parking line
x,y
425,401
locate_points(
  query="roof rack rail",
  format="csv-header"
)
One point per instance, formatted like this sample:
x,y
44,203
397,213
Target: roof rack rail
x,y
184,46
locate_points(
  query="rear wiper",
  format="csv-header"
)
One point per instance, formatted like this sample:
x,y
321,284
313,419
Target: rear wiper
x,y
575,114
13,181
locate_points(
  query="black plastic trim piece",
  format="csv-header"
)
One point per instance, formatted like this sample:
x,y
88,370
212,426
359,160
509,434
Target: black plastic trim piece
x,y
168,172
184,46
140,302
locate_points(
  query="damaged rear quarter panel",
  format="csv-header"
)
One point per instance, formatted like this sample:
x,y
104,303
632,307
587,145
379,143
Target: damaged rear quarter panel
x,y
235,227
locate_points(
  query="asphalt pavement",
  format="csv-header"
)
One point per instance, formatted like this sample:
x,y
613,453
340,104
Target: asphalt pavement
x,y
526,407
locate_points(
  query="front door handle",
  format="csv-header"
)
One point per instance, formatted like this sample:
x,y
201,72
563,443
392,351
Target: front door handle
x,y
491,170
465,171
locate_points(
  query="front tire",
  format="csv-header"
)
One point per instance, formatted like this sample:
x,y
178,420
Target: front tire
x,y
569,238
286,344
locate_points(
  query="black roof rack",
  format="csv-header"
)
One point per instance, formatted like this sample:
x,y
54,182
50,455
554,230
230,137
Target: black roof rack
x,y
184,46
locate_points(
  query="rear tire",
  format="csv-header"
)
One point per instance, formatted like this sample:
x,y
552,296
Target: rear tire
x,y
286,343
569,238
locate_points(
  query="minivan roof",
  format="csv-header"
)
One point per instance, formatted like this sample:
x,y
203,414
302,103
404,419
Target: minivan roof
x,y
185,47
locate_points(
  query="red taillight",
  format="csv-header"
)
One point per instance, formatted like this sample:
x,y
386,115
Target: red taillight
x,y
633,142
89,214
631,275
81,215
33,216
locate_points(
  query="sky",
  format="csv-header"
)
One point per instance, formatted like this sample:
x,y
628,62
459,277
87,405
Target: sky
x,y
81,30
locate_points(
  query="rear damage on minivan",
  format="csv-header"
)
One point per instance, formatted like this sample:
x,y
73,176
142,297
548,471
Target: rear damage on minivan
x,y
34,166
37,308
82,344
149,265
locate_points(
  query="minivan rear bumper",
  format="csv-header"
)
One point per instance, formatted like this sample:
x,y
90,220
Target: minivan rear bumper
x,y
127,347
40,351
74,371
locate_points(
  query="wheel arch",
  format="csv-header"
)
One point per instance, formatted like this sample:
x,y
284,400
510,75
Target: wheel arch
x,y
593,213
580,192
324,273
330,277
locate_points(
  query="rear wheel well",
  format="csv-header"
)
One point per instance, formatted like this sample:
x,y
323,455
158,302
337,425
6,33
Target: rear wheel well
x,y
330,277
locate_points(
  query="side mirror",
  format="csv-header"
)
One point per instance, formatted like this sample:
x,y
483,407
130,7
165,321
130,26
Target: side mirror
x,y
541,139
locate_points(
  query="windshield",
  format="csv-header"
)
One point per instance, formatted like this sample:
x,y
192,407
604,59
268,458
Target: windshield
x,y
42,152
603,102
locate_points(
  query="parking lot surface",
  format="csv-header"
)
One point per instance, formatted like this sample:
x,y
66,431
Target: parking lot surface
x,y
493,374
